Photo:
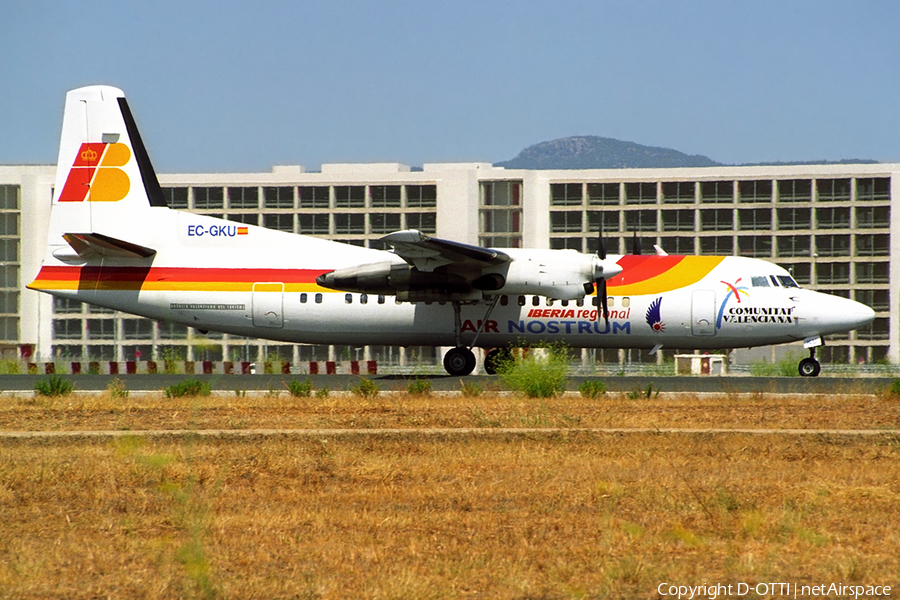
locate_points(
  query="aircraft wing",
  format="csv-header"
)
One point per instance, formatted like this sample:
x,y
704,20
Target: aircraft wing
x,y
427,253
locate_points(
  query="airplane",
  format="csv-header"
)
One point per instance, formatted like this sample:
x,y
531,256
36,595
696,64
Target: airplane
x,y
113,242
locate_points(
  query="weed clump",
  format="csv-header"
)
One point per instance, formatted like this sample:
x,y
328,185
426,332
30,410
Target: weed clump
x,y
366,388
53,386
539,373
418,387
470,389
592,388
300,389
116,388
188,387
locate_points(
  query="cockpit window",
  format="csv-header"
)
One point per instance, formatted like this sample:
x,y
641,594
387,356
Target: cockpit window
x,y
774,280
759,281
787,281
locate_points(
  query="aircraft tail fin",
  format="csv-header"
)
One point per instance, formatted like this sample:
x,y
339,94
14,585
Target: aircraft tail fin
x,y
104,175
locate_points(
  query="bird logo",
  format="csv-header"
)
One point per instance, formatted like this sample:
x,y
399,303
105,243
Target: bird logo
x,y
654,316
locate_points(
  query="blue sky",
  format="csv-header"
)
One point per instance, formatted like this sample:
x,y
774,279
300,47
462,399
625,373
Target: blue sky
x,y
239,86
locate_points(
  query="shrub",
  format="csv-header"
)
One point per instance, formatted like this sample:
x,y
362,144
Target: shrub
x,y
638,393
188,387
470,389
116,388
300,389
366,388
536,374
592,388
53,386
323,392
418,387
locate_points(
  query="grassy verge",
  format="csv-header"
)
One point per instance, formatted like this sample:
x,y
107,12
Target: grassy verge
x,y
559,516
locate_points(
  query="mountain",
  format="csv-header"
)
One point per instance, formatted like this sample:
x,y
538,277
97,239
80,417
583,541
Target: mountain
x,y
595,152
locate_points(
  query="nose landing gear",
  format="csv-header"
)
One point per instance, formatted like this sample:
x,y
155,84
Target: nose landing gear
x,y
810,367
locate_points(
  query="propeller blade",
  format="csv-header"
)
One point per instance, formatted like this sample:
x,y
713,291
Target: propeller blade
x,y
635,244
601,243
604,299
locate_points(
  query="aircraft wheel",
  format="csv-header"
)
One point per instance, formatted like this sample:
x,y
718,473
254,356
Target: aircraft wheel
x,y
810,367
494,359
459,361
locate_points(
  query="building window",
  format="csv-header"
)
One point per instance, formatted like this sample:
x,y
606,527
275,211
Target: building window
x,y
500,215
794,218
754,218
67,329
717,191
9,197
387,196
176,197
875,299
424,222
352,223
879,329
62,306
795,190
602,220
207,198
316,224
867,272
245,218
641,193
101,329
421,196
678,220
350,196
873,217
640,220
801,272
833,245
572,243
677,245
720,219
833,190
722,245
568,221
172,331
606,194
384,223
279,197
281,222
314,197
833,218
101,352
679,192
565,194
755,245
137,329
878,188
873,245
243,197
755,191
794,245
832,273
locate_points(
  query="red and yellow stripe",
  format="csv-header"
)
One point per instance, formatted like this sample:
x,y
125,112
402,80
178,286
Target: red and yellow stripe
x,y
643,275
172,279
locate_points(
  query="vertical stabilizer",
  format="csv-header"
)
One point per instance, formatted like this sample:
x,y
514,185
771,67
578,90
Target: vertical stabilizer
x,y
104,175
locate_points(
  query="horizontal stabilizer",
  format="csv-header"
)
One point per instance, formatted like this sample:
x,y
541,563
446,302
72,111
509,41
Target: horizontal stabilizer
x,y
97,244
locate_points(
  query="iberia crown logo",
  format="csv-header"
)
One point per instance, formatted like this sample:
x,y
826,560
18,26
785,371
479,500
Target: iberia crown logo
x,y
95,175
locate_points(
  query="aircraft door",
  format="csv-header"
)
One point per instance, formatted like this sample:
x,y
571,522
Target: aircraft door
x,y
268,305
703,313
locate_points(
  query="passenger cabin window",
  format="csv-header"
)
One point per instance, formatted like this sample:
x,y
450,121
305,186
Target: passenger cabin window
x,y
380,298
549,301
504,300
363,298
535,301
348,298
626,302
759,281
319,298
787,281
521,300
303,298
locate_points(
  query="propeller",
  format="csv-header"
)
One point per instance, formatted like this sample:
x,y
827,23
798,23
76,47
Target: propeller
x,y
600,278
636,244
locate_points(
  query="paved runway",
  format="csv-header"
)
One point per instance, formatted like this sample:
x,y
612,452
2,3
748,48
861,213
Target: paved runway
x,y
447,383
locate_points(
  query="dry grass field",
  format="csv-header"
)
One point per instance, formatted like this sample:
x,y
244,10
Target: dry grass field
x,y
518,516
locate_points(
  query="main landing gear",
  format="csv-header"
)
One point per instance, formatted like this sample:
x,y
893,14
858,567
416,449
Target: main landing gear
x,y
461,360
810,367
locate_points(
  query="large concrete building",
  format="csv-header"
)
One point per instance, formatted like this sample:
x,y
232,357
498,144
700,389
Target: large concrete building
x,y
833,226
